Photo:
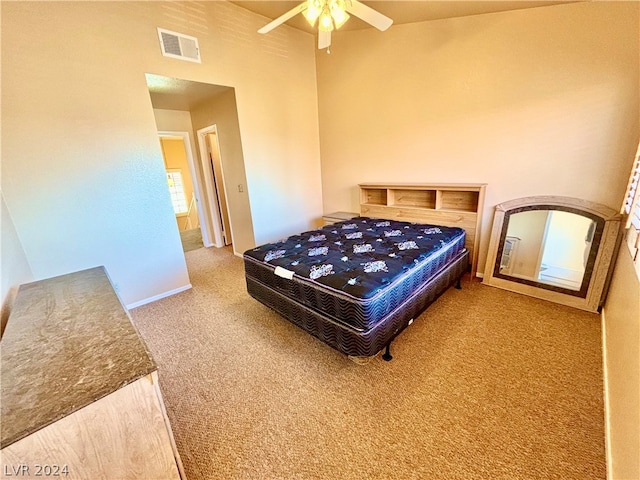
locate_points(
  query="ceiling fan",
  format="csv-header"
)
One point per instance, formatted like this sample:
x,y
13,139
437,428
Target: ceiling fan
x,y
331,15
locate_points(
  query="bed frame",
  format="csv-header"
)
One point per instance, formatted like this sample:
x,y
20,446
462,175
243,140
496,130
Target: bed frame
x,y
348,340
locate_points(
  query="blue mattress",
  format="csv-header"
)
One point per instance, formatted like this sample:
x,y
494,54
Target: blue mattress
x,y
357,271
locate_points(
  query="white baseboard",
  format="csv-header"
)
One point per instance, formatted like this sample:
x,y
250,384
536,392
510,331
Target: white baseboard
x,y
158,297
479,275
607,431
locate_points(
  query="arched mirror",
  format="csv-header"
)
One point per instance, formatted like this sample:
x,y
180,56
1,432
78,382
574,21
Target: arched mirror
x,y
555,248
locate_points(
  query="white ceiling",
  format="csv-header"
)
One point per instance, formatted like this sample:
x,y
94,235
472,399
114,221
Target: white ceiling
x,y
400,11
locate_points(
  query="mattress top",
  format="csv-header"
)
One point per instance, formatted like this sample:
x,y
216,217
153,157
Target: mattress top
x,y
358,257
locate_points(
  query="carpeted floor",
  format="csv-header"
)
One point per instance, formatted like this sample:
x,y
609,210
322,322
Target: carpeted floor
x,y
486,384
191,239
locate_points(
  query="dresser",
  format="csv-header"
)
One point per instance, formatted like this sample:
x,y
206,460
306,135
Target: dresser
x,y
79,395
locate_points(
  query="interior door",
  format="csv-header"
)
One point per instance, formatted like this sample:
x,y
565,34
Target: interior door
x,y
213,151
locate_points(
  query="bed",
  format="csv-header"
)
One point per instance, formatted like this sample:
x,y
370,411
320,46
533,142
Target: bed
x,y
356,284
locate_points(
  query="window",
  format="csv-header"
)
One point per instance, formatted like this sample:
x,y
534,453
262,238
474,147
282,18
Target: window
x,y
631,207
176,190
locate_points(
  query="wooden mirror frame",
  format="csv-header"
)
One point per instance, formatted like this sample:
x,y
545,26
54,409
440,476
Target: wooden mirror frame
x,y
598,271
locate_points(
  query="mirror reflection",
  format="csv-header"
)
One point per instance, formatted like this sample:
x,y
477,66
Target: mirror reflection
x,y
551,247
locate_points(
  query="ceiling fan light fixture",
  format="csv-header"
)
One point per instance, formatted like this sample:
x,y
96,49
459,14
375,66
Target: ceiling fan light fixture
x,y
313,11
325,22
338,12
340,18
331,15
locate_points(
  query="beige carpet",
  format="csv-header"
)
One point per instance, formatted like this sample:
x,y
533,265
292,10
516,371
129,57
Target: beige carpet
x,y
191,239
486,384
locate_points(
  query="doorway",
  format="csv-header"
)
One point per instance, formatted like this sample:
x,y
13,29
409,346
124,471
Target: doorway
x,y
183,188
565,249
188,106
215,184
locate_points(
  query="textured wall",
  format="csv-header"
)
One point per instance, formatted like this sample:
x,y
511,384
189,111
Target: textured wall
x,y
13,263
91,190
622,365
222,111
541,101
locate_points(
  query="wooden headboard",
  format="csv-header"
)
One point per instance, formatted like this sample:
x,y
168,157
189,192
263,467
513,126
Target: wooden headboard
x,y
447,204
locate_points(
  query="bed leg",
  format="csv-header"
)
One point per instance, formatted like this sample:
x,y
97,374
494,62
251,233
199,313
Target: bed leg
x,y
459,284
386,356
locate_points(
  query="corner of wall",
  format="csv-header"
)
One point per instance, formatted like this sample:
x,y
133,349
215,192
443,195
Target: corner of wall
x,y
621,350
605,393
14,265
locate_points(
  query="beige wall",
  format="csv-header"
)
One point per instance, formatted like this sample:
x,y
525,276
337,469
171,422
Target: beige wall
x,y
222,111
13,263
565,245
75,73
529,227
176,121
621,323
169,121
175,158
532,102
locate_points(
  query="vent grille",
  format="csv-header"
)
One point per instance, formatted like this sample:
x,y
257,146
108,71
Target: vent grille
x,y
178,45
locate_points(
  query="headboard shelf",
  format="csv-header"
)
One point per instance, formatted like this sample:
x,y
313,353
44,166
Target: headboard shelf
x,y
412,198
448,204
373,196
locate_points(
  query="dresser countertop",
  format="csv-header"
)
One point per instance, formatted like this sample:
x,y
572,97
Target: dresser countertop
x,y
68,342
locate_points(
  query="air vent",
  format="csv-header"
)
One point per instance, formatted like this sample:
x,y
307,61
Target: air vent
x,y
178,45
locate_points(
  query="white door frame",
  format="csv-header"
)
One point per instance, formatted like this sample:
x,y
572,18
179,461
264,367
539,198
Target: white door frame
x,y
211,186
186,138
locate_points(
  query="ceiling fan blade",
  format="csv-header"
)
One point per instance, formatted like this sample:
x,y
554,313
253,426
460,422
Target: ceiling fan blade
x,y
283,18
324,39
368,14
